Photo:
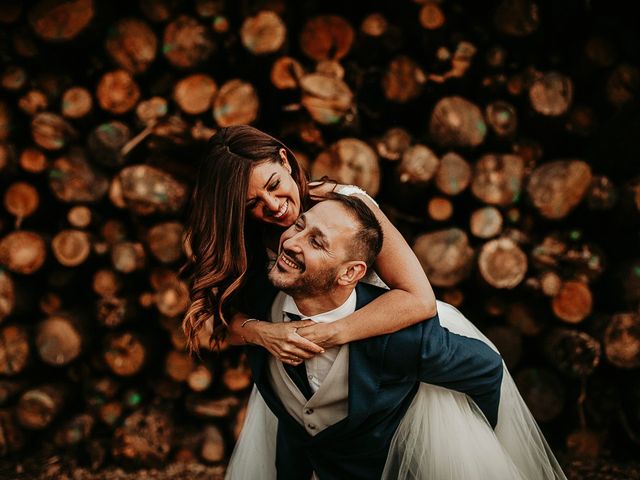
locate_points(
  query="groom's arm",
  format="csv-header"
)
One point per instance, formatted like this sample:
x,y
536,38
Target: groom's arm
x,y
463,364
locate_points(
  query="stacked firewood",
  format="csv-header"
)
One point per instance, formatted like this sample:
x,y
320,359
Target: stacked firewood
x,y
501,145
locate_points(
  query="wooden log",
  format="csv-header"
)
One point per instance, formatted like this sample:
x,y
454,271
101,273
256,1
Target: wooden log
x,y
38,406
23,252
71,247
502,117
573,303
172,299
59,340
236,103
517,18
502,263
50,303
440,209
264,33
187,43
393,144
60,20
159,11
165,241
110,413
550,283
508,340
555,188
211,408
349,161
127,257
21,200
200,378
328,99
403,80
602,193
581,121
622,340
51,131
600,51
9,389
33,160
72,179
12,438
374,25
113,311
106,141
497,179
32,102
623,84
573,353
106,282
7,295
79,216
125,353
147,190
456,122
552,94
431,16
542,391
453,175
14,349
286,73
117,92
445,256
76,103
151,110
5,121
486,222
74,431
194,94
326,37
132,45
178,365
418,165
330,68
237,378
144,438
213,448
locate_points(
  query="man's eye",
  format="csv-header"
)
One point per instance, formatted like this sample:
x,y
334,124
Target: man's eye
x,y
298,226
315,243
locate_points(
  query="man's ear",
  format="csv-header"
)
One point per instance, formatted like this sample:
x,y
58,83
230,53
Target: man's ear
x,y
352,272
284,160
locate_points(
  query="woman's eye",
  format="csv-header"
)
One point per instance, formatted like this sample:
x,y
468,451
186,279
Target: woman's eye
x,y
274,185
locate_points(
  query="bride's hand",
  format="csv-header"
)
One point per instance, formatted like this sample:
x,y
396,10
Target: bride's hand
x,y
326,335
284,341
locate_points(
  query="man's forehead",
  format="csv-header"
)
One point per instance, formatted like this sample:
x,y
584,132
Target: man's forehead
x,y
329,216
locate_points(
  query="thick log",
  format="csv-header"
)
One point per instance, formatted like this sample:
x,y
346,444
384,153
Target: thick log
x,y
573,303
194,94
125,353
497,179
236,103
542,391
117,92
502,263
286,73
555,188
23,252
21,200
327,99
33,160
456,122
622,340
127,257
59,340
60,20
440,209
502,117
573,353
14,349
173,298
165,241
79,216
393,144
351,162
263,33
106,142
144,439
32,102
178,365
518,18
213,448
187,43
445,256
552,94
453,175
418,165
200,378
7,295
38,406
51,131
77,102
71,247
326,37
403,80
486,222
132,45
72,179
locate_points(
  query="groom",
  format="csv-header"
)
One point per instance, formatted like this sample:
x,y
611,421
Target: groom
x,y
338,411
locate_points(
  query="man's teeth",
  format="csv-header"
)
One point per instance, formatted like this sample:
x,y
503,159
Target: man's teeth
x,y
283,209
289,263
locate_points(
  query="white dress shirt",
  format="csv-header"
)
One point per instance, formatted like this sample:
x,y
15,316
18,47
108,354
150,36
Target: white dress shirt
x,y
318,366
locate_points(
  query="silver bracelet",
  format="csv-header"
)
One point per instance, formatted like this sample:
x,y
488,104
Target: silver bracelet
x,y
242,326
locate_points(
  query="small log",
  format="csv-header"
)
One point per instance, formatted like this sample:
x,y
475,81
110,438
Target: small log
x,y
14,349
602,193
150,111
59,340
200,378
117,92
211,408
38,406
263,33
517,18
445,256
213,448
403,80
486,222
110,413
453,175
159,11
326,37
497,179
237,378
125,353
236,103
194,94
623,84
132,45
60,20
440,209
286,73
542,391
172,299
178,365
502,117
418,165
393,143
622,340
573,303
327,99
456,122
502,263
127,257
147,190
508,340
550,283
74,431
7,295
165,241
72,179
144,438
330,68
9,389
23,252
374,25
12,438
582,121
71,247
76,103
32,102
106,141
187,43
552,94
573,353
113,231
208,8
106,282
50,303
200,132
21,200
33,160
431,16
79,216
555,188
113,311
51,131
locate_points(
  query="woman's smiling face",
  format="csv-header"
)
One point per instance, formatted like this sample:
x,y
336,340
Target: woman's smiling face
x,y
273,195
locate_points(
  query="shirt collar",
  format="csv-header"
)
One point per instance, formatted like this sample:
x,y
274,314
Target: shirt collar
x,y
347,308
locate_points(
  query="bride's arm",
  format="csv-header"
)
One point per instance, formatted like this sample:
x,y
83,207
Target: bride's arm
x,y
409,300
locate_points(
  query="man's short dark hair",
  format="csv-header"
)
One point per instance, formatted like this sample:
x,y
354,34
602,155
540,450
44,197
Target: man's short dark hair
x,y
368,238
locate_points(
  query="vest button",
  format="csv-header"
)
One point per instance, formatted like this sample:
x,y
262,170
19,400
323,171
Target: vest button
x,y
308,411
311,426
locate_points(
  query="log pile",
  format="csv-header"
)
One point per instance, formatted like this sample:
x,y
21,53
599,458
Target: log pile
x,y
508,163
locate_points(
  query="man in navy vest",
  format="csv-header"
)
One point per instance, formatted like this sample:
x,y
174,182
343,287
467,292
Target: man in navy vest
x,y
338,411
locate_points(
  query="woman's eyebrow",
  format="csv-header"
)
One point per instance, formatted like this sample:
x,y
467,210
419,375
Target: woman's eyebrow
x,y
249,200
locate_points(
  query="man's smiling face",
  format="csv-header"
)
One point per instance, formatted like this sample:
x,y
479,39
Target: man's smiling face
x,y
313,249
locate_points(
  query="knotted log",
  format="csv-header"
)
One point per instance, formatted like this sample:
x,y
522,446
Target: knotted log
x,y
418,165
132,45
445,256
456,122
393,144
59,339
502,263
497,179
21,200
622,340
286,73
125,353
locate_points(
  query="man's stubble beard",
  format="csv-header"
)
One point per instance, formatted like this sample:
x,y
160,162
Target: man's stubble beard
x,y
302,287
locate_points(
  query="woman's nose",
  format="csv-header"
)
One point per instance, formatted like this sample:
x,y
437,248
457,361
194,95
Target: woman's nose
x,y
271,203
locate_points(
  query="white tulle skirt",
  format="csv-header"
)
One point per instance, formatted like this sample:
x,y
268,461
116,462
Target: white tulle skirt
x,y
443,436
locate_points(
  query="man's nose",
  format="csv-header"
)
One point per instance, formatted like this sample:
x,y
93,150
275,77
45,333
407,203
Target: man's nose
x,y
292,243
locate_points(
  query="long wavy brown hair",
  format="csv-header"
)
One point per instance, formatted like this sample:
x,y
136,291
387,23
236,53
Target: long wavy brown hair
x,y
226,243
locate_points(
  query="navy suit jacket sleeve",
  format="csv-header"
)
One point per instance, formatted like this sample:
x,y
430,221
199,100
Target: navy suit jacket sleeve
x,y
463,364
